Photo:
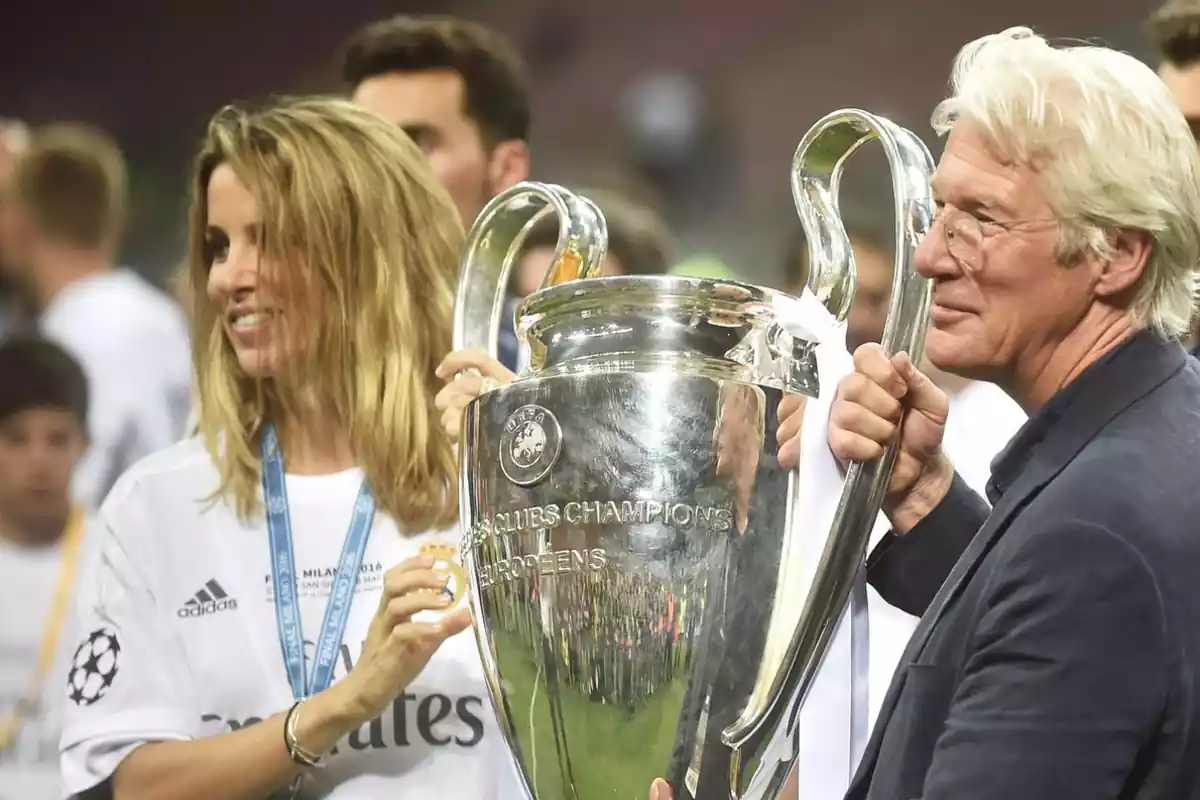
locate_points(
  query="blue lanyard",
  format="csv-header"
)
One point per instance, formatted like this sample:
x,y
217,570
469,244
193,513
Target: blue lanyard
x,y
283,575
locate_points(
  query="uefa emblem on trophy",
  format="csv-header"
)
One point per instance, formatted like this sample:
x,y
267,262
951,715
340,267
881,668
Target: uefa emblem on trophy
x,y
530,444
629,535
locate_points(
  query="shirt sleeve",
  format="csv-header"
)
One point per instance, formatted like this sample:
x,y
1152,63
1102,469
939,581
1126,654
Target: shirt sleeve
x,y
127,682
908,570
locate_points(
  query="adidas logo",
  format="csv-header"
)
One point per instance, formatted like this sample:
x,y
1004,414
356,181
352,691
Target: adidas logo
x,y
209,600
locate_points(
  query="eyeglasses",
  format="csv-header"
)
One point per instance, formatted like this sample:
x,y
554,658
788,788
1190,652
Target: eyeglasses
x,y
965,233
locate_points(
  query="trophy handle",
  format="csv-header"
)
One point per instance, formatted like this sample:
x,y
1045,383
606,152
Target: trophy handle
x,y
816,173
495,241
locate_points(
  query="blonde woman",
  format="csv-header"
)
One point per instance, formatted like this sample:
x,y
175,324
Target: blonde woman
x,y
312,644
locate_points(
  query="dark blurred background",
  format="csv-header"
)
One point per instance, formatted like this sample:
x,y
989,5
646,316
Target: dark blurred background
x,y
696,105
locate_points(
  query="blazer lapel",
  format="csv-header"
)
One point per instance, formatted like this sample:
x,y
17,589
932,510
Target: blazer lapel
x,y
1145,363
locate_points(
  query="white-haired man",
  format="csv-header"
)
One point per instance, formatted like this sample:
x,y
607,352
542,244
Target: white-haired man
x,y
1056,656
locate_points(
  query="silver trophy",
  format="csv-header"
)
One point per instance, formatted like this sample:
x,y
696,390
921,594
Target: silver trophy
x,y
629,534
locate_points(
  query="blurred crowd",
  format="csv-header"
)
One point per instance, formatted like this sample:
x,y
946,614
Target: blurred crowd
x,y
96,364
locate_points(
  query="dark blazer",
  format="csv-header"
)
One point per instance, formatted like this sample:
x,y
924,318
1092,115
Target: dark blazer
x,y
1060,658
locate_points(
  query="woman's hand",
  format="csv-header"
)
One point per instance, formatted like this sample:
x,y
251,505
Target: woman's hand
x,y
462,389
397,648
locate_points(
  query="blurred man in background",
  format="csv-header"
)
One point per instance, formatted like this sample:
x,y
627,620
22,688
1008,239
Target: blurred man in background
x,y
66,217
43,410
460,91
1175,29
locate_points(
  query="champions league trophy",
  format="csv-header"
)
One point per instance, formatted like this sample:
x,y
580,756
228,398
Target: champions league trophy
x,y
630,538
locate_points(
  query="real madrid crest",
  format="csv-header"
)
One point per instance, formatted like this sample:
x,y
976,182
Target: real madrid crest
x,y
445,563
530,444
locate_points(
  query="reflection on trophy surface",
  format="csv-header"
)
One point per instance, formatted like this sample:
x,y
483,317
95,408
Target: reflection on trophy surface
x,y
629,535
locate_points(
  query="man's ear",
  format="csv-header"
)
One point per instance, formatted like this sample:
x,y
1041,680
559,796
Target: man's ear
x,y
509,165
1131,252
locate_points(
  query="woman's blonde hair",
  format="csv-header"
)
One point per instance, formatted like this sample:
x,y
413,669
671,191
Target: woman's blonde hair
x,y
364,242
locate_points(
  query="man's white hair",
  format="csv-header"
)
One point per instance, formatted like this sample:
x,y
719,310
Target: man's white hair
x,y
1113,147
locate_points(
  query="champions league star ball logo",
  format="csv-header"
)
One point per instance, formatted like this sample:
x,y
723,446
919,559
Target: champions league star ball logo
x,y
94,667
530,444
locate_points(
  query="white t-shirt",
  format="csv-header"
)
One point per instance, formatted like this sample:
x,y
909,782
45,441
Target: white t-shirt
x,y
183,595
132,342
983,419
28,581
